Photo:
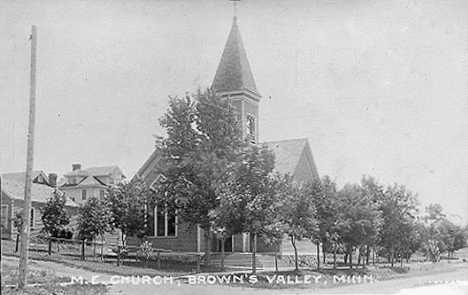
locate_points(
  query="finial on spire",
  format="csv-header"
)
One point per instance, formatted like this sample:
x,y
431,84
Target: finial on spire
x,y
235,8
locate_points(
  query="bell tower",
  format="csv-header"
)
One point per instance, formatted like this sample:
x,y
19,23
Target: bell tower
x,y
235,81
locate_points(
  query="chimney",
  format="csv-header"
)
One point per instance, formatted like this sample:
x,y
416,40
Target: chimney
x,y
52,179
76,167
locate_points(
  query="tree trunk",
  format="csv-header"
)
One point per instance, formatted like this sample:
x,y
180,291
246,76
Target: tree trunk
x,y
17,242
359,256
391,257
253,240
367,254
323,254
276,256
345,257
334,256
293,242
102,248
350,253
207,246
223,239
318,255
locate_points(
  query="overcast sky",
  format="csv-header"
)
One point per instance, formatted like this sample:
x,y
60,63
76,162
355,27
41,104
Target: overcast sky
x,y
378,87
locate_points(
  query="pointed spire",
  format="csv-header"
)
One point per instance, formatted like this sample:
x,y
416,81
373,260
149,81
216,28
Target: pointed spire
x,y
234,73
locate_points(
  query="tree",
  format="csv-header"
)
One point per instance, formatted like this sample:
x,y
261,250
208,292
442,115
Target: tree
x,y
128,203
94,218
434,211
398,207
361,219
298,213
55,217
329,218
18,223
203,137
247,199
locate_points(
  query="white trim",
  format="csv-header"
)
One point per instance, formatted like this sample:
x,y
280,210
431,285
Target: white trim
x,y
244,242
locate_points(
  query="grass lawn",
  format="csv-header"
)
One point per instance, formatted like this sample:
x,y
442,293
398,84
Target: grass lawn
x,y
130,265
48,283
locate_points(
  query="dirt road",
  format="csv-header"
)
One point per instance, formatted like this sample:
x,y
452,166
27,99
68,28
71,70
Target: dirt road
x,y
421,284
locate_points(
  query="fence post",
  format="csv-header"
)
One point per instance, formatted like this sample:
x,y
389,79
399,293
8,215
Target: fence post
x,y
198,263
50,246
83,249
119,249
159,259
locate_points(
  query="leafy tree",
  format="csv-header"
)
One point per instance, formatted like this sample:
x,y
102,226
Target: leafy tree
x,y
298,212
398,208
247,199
361,220
434,211
55,216
128,203
328,216
203,137
18,224
94,218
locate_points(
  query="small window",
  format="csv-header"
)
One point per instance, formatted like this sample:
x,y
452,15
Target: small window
x,y
111,180
72,180
83,194
160,178
166,223
250,125
32,222
102,193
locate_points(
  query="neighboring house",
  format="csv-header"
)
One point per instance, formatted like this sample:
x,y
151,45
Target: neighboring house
x,y
80,184
12,194
234,80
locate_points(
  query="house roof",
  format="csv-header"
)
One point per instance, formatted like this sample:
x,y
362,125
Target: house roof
x,y
95,171
102,170
14,189
234,73
22,175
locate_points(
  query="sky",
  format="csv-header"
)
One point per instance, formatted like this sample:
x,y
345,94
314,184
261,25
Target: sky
x,y
378,87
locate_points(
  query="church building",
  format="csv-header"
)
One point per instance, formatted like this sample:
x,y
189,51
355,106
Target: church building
x,y
234,80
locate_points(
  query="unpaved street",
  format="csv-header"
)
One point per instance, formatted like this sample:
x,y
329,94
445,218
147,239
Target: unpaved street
x,y
420,284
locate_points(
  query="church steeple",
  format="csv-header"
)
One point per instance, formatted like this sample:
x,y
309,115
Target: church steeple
x,y
234,73
235,81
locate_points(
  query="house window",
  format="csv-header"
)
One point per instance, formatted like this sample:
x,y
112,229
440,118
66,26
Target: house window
x,y
32,222
83,194
72,180
102,193
4,216
250,125
160,178
166,223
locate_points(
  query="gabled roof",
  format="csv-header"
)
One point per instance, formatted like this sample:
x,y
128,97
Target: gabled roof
x,y
234,73
290,153
14,189
103,170
22,175
77,172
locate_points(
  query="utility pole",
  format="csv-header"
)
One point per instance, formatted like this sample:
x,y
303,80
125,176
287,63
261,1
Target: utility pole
x,y
25,231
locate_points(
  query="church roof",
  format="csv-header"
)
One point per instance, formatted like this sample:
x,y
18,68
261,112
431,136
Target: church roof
x,y
294,157
234,71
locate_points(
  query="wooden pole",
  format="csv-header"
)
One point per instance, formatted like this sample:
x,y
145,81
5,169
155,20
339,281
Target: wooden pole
x,y
23,262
